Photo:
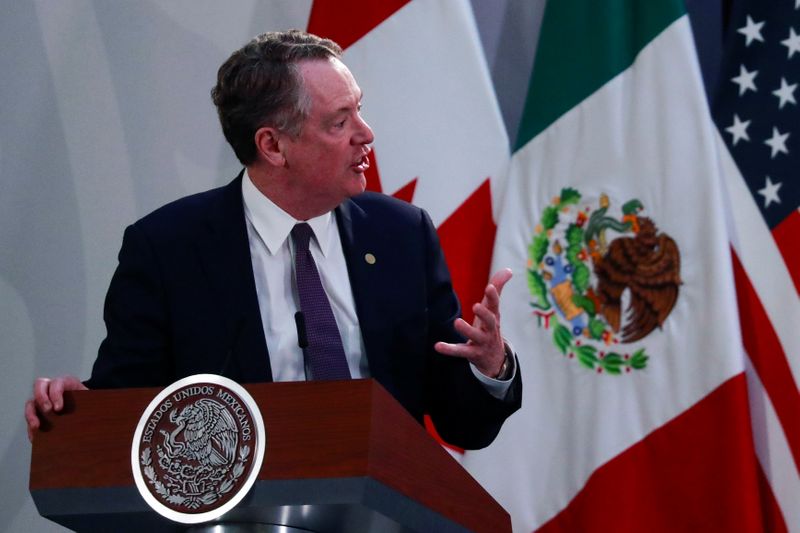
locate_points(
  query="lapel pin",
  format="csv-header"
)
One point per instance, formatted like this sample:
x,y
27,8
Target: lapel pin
x,y
369,258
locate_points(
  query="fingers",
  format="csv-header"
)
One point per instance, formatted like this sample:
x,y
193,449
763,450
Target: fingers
x,y
487,318
491,298
57,393
500,278
484,347
483,357
41,394
48,395
31,418
489,315
464,350
39,403
473,333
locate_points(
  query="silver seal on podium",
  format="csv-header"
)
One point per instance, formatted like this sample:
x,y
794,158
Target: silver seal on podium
x,y
198,448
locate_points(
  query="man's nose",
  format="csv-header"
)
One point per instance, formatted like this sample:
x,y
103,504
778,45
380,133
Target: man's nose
x,y
364,133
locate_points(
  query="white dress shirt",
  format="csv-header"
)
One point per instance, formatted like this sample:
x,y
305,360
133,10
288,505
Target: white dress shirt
x,y
271,252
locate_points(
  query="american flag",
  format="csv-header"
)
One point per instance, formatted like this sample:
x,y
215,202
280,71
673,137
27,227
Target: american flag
x,y
757,113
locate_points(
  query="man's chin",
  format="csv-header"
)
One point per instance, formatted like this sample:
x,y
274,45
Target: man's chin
x,y
360,185
355,184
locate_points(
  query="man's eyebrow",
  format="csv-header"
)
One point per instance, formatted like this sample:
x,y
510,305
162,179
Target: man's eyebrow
x,y
348,108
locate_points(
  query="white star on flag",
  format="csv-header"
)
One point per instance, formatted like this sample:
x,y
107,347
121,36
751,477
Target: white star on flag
x,y
745,80
792,42
770,192
785,93
739,128
752,30
777,142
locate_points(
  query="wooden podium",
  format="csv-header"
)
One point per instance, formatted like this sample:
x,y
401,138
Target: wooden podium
x,y
340,456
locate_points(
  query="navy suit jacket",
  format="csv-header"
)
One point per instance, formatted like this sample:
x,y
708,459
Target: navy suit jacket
x,y
183,301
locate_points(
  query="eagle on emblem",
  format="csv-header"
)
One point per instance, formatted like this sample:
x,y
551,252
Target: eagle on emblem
x,y
648,265
209,434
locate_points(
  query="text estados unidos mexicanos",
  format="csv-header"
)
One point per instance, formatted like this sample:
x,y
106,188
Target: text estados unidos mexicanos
x,y
206,390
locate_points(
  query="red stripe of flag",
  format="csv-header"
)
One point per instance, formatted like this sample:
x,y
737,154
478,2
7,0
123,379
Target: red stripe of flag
x,y
346,21
787,236
773,517
766,353
678,476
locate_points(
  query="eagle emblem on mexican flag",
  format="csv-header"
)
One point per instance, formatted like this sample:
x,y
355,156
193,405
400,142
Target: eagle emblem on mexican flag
x,y
601,279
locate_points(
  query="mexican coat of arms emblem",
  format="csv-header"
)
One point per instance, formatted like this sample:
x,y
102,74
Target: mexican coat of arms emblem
x,y
198,448
601,281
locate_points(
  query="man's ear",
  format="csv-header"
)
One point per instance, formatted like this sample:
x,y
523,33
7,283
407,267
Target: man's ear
x,y
268,145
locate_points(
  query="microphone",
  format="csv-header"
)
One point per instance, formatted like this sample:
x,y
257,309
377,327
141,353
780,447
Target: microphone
x,y
300,322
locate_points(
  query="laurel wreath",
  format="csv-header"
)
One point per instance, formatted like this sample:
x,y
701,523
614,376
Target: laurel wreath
x,y
591,358
576,258
192,502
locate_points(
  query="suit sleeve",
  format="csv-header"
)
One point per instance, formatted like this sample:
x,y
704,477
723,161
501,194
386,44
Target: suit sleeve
x,y
136,317
462,410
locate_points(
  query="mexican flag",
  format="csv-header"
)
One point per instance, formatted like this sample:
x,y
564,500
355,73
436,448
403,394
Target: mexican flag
x,y
623,308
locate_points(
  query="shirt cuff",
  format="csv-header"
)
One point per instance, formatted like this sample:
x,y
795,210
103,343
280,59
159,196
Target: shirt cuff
x,y
495,387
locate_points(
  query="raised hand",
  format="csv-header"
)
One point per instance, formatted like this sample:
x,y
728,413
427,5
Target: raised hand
x,y
484,347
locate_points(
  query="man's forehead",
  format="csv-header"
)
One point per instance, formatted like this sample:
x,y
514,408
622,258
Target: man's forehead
x,y
328,79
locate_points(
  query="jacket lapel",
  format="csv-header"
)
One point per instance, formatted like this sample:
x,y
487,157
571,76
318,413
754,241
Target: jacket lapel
x,y
359,238
225,255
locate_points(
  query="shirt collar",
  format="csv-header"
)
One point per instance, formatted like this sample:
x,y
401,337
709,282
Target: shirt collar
x,y
274,225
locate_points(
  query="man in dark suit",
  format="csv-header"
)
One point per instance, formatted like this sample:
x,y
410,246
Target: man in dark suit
x,y
208,284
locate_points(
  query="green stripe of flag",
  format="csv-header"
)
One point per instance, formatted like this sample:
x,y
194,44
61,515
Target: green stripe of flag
x,y
582,45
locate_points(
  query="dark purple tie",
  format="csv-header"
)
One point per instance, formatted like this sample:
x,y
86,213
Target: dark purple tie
x,y
324,353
